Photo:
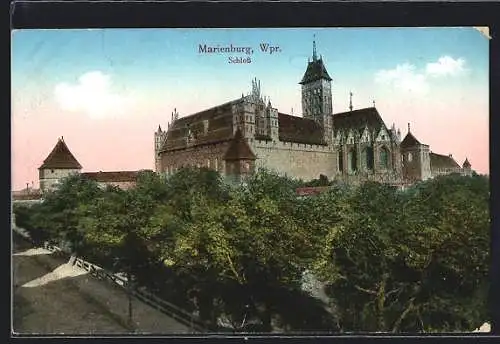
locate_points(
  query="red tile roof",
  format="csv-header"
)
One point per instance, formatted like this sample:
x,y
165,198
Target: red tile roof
x,y
312,190
112,177
60,158
358,120
439,161
299,130
410,141
220,127
239,149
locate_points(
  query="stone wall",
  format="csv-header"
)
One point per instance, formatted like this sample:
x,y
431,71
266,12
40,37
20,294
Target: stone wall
x,y
210,156
49,178
296,160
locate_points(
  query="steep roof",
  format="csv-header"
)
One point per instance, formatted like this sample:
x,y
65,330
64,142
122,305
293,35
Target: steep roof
x,y
299,130
439,161
60,158
239,149
219,120
466,163
316,70
358,120
410,141
110,177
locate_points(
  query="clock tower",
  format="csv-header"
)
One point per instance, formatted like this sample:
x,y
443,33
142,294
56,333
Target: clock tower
x,y
317,94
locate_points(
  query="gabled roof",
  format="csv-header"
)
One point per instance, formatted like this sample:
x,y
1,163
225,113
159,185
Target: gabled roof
x,y
239,149
60,158
110,177
299,130
410,141
220,127
466,163
316,70
439,161
357,120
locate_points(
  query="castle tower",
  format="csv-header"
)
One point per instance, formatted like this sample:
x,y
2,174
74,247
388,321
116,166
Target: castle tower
x,y
159,139
466,167
317,94
60,164
416,163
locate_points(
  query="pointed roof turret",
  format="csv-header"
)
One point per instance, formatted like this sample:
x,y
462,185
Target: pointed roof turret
x,y
466,163
315,56
316,70
159,128
239,149
60,158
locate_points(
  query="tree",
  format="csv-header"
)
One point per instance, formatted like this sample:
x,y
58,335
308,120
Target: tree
x,y
411,261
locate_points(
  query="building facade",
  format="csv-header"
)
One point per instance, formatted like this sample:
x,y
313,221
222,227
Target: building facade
x,y
61,163
352,146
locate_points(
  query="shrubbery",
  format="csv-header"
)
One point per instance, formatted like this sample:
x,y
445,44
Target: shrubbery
x,y
391,260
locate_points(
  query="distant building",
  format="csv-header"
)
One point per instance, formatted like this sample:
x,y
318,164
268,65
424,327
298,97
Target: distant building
x,y
122,179
61,163
352,146
58,165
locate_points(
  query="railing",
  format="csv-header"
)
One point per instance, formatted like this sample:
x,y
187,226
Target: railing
x,y
140,293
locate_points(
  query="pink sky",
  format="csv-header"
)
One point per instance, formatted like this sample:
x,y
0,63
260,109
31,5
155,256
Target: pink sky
x,y
107,109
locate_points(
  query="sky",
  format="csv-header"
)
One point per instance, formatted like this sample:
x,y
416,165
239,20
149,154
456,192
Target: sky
x,y
107,90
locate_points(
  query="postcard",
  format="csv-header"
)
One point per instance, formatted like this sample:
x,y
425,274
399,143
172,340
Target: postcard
x,y
299,180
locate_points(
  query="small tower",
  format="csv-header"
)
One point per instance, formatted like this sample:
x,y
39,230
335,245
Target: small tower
x,y
416,163
317,94
59,164
239,158
273,121
160,136
466,167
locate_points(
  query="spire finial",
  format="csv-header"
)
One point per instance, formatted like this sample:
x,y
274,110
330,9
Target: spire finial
x,y
350,101
315,57
373,102
408,128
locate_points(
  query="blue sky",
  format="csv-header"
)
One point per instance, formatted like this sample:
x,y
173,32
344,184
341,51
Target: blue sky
x,y
436,78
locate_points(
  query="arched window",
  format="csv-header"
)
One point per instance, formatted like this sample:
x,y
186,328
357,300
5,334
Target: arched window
x,y
352,160
384,157
341,161
410,157
367,156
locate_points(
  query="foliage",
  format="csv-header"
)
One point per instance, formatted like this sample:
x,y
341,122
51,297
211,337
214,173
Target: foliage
x,y
391,260
412,261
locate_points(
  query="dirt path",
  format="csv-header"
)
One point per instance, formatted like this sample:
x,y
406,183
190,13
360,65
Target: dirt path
x,y
45,302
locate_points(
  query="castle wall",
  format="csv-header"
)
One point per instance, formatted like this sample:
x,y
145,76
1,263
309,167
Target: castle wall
x,y
210,156
50,177
296,160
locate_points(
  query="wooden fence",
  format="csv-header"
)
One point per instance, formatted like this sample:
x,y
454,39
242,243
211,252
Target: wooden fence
x,y
141,293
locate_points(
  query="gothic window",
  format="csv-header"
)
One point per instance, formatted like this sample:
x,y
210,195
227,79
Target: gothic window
x,y
410,157
341,161
367,156
384,157
352,160
216,164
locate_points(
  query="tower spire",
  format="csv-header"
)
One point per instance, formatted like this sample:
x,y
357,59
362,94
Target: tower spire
x,y
315,56
350,101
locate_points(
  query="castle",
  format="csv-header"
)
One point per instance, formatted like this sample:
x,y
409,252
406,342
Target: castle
x,y
238,137
248,133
